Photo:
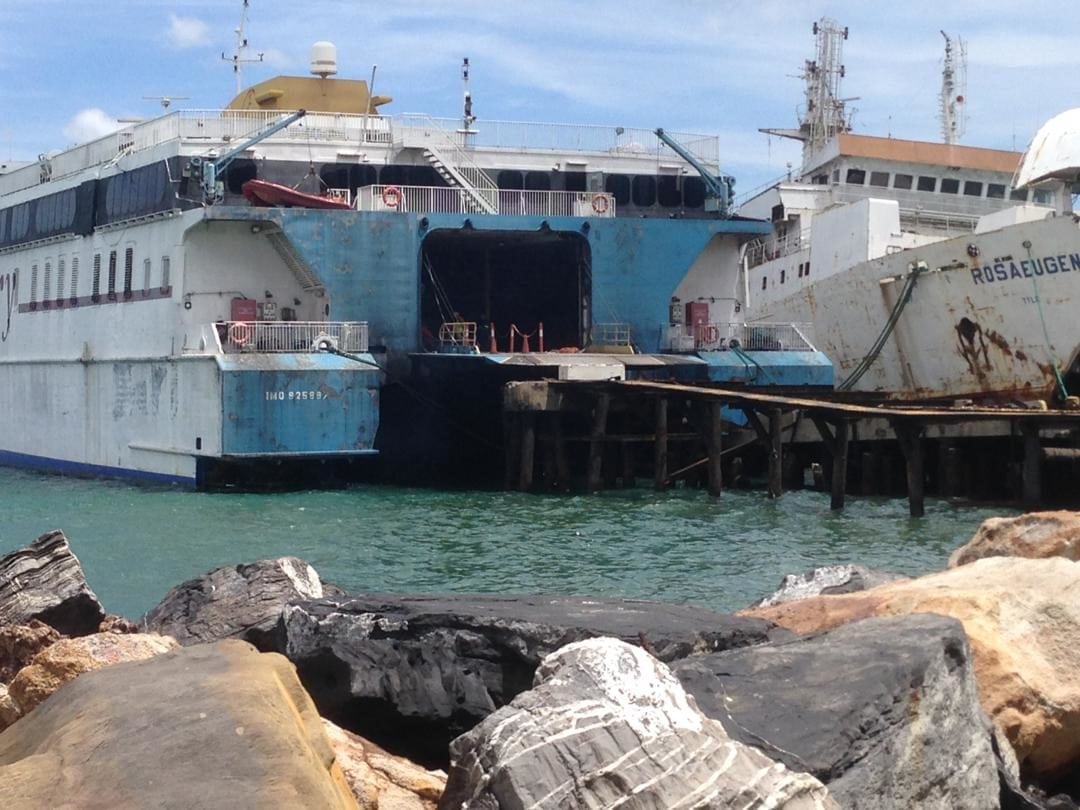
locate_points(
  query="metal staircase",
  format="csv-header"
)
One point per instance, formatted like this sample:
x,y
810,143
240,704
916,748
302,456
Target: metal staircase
x,y
453,164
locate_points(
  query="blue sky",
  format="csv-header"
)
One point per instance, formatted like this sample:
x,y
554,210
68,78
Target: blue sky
x,y
68,69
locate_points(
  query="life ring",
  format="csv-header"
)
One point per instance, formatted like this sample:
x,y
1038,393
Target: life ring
x,y
599,204
391,196
240,333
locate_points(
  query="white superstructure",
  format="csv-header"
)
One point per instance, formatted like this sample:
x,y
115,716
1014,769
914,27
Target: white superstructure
x,y
927,269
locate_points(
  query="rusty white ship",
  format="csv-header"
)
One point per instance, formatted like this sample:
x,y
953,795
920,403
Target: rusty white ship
x,y
928,270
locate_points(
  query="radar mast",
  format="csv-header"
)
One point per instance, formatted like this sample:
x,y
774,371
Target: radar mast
x,y
825,115
239,57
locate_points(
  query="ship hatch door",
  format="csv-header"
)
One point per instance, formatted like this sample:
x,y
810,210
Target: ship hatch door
x,y
523,278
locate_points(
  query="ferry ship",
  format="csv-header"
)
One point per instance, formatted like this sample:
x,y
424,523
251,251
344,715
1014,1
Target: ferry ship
x,y
928,270
236,290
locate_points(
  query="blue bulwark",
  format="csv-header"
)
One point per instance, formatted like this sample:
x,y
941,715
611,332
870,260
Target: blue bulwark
x,y
811,369
298,405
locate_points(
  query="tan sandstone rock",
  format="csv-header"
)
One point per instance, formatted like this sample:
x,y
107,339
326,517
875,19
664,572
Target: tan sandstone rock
x,y
1022,618
70,657
199,728
380,780
19,643
1034,535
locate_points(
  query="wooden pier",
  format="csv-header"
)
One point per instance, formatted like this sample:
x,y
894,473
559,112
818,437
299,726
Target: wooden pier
x,y
601,430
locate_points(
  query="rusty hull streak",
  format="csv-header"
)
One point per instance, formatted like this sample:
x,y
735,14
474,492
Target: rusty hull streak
x,y
999,341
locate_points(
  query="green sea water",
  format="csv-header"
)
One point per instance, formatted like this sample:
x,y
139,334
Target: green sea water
x,y
136,542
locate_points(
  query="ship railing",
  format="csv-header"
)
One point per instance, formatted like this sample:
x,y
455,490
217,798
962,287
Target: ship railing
x,y
453,200
216,128
458,336
292,336
749,337
610,335
552,137
765,250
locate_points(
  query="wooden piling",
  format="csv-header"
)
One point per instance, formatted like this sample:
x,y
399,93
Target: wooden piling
x,y
596,443
628,468
660,462
562,465
868,464
839,475
909,437
528,451
776,454
511,449
1032,475
713,432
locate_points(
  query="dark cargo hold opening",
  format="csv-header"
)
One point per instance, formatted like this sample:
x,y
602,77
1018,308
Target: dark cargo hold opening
x,y
523,278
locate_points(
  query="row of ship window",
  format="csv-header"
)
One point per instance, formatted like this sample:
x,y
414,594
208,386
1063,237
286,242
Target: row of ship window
x,y
66,289
942,185
804,270
642,190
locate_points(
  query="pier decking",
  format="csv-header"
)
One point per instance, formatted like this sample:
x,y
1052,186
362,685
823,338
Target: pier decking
x,y
702,416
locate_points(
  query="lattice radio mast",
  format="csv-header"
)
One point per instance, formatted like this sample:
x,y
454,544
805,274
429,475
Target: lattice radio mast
x,y
825,115
953,88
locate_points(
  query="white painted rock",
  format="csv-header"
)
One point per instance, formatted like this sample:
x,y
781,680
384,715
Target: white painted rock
x,y
608,725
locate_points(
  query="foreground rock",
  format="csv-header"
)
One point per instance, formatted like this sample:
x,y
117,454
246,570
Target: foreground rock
x,y
70,657
827,580
412,673
381,780
1022,618
884,711
19,643
1035,535
237,601
203,727
608,725
45,581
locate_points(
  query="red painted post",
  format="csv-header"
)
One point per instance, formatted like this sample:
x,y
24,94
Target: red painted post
x,y
541,330
494,345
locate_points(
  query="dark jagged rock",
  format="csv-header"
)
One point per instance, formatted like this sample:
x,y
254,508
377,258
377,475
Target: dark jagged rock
x,y
827,580
45,581
411,673
607,725
236,601
884,711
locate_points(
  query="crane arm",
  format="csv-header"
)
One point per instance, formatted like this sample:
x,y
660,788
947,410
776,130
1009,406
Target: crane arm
x,y
717,188
208,170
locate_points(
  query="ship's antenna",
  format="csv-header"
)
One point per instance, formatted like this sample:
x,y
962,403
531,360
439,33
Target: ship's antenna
x,y
467,118
239,54
953,87
824,116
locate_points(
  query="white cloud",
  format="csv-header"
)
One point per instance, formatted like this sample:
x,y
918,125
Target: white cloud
x,y
187,32
90,124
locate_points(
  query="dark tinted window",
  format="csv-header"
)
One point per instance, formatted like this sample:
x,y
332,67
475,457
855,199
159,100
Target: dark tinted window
x,y
927,183
950,185
511,180
880,179
902,181
618,185
667,191
538,181
575,181
1020,194
643,190
972,188
239,172
855,177
693,192
995,191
